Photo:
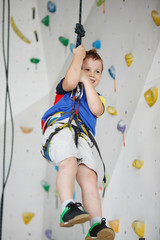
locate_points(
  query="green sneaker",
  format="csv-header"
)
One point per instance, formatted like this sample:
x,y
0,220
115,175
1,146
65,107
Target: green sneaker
x,y
100,231
73,214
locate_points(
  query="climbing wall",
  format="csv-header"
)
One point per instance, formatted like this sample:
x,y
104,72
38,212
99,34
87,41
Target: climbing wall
x,y
128,134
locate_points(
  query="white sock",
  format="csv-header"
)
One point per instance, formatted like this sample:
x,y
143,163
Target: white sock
x,y
95,220
64,204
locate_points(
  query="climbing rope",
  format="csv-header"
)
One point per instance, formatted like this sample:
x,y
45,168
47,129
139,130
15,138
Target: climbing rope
x,y
79,27
7,103
79,30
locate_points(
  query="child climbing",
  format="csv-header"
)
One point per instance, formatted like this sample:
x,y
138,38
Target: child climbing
x,y
66,142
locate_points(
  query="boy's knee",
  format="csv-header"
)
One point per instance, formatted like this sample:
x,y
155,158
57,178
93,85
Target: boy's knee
x,y
68,163
86,177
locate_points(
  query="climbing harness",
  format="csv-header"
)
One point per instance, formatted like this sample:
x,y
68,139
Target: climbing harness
x,y
80,127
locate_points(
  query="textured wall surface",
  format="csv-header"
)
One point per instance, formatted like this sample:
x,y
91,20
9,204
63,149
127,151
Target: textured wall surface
x,y
132,194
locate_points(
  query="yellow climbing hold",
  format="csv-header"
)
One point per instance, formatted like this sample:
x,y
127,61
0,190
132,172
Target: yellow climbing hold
x,y
156,17
18,32
139,228
27,217
151,96
26,129
114,225
138,164
112,110
129,59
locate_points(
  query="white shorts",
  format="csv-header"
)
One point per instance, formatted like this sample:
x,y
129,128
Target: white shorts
x,y
63,146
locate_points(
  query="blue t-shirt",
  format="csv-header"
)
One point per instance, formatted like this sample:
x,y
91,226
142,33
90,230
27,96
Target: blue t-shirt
x,y
65,103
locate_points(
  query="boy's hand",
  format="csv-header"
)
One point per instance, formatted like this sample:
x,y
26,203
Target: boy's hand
x,y
83,77
80,51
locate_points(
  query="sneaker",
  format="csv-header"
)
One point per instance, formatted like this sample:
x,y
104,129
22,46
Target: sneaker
x,y
100,231
73,214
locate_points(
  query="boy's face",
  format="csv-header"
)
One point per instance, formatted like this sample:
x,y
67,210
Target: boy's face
x,y
93,69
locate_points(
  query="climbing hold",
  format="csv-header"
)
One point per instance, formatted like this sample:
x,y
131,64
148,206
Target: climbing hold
x,y
56,195
18,32
96,44
48,233
112,110
112,72
56,167
114,225
129,59
151,96
138,164
64,41
156,17
72,46
33,12
26,129
139,228
45,185
99,3
36,35
27,217
107,180
122,127
51,7
35,60
100,191
45,20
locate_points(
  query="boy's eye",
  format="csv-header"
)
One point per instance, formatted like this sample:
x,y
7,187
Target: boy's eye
x,y
97,71
86,69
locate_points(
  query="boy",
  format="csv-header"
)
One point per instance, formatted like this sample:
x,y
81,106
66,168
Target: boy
x,y
70,147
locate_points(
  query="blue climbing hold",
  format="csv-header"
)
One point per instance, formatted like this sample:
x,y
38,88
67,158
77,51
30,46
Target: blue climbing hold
x,y
96,44
51,7
112,72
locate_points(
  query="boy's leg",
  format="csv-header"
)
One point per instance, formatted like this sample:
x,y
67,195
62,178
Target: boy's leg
x,y
71,211
66,178
87,180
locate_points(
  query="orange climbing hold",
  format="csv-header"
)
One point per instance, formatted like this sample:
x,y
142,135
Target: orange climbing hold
x,y
114,225
26,129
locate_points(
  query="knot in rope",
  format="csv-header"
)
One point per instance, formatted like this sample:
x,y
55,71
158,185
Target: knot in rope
x,y
79,30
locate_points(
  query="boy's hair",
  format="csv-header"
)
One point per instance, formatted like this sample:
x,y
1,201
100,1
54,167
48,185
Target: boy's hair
x,y
94,55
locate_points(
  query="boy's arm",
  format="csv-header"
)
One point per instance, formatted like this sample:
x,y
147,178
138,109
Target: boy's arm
x,y
73,74
94,102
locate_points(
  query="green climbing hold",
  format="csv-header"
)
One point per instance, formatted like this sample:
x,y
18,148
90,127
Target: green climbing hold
x,y
99,2
35,60
64,41
45,185
45,20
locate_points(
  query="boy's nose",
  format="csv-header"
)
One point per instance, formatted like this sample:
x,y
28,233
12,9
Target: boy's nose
x,y
91,74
